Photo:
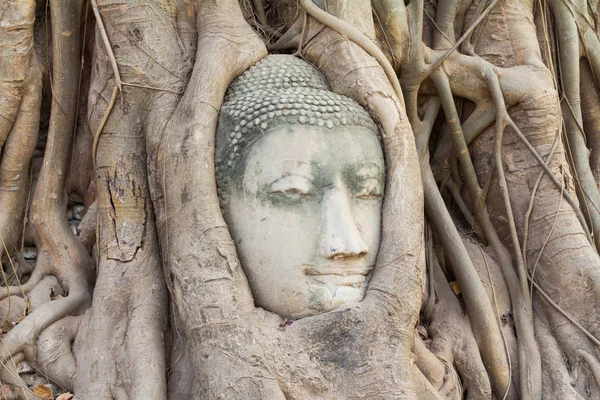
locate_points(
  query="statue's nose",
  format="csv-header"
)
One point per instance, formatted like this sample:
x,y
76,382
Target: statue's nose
x,y
339,234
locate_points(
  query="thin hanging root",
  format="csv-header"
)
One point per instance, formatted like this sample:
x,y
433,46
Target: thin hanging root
x,y
260,12
480,310
537,260
429,306
569,37
115,67
349,31
489,273
109,52
501,115
111,104
465,36
529,356
531,200
303,33
455,191
494,87
559,184
10,375
563,312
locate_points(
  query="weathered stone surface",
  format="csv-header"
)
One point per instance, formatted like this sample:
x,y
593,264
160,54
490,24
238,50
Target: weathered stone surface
x,y
305,209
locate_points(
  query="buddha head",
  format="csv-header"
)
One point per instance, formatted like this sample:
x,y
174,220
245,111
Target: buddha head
x,y
300,174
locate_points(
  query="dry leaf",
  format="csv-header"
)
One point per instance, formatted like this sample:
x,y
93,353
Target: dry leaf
x,y
65,396
43,391
24,368
456,287
5,391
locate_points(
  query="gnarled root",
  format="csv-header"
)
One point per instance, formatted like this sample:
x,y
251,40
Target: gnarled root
x,y
71,264
55,357
453,342
558,384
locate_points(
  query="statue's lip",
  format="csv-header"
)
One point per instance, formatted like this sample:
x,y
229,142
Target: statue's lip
x,y
337,270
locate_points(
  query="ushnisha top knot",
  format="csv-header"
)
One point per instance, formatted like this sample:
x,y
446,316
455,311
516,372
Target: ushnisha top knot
x,y
278,90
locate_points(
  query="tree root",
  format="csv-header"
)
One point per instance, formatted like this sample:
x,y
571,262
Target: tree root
x,y
559,385
10,375
36,277
16,46
480,310
17,153
432,368
569,39
453,340
592,363
71,266
23,337
55,357
349,31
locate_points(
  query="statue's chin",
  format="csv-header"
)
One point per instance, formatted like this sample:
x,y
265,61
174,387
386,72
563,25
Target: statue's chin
x,y
319,299
331,297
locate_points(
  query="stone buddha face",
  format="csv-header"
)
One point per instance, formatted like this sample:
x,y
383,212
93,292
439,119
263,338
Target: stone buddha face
x,y
303,205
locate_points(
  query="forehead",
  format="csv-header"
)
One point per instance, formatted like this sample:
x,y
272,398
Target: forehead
x,y
309,150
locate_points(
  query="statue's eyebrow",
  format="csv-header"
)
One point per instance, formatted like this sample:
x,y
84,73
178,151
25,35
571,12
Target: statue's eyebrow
x,y
287,169
291,174
369,165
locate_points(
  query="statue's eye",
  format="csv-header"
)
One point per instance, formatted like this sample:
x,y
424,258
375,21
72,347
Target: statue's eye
x,y
293,187
368,189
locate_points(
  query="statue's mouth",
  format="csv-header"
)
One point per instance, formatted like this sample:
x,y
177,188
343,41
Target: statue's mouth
x,y
340,276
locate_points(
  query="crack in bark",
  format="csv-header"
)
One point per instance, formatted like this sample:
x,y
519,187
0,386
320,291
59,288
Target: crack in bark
x,y
128,215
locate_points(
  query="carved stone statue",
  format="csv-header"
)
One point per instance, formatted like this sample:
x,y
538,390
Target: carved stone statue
x,y
300,172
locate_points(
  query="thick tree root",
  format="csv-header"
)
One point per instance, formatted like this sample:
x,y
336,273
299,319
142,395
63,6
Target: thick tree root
x,y
23,290
23,337
16,47
72,265
17,153
54,352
